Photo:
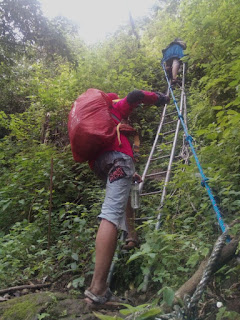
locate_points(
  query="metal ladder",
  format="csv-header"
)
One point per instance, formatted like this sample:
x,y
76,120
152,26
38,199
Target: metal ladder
x,y
160,152
163,153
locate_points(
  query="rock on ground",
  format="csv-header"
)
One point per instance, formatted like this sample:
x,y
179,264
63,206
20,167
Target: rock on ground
x,y
47,306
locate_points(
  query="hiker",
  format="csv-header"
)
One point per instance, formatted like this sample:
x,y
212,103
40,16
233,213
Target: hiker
x,y
115,163
171,57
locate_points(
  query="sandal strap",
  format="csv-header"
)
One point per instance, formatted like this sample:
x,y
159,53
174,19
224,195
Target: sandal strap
x,y
98,299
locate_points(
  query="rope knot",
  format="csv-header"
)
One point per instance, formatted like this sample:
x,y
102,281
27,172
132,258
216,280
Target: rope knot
x,y
189,138
203,182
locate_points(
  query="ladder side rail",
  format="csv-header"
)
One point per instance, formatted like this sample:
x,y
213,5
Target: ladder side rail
x,y
185,147
157,226
175,140
185,110
204,178
112,267
153,147
169,169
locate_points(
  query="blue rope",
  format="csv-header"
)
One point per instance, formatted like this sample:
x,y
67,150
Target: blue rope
x,y
189,139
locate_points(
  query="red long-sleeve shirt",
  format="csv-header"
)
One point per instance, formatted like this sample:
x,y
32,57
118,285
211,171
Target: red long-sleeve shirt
x,y
122,109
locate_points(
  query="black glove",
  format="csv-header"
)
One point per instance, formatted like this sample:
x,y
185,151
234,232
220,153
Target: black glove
x,y
162,99
135,96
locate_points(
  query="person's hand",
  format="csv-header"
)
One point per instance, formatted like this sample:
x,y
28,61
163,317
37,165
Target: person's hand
x,y
136,177
162,99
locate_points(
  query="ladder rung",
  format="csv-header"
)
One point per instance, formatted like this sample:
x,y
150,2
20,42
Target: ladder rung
x,y
168,132
168,142
150,193
164,157
170,122
159,158
169,114
155,174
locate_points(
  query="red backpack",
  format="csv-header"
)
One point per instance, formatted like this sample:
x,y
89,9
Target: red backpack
x,y
90,125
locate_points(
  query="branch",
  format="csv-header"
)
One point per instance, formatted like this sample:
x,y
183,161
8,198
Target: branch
x,y
227,254
27,286
50,204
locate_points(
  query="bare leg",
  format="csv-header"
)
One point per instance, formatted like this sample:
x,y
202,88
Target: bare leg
x,y
175,68
168,68
106,242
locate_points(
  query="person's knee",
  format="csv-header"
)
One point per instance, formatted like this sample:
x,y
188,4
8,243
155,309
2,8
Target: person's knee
x,y
176,63
108,224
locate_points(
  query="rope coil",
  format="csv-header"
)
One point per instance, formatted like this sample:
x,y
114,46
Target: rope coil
x,y
189,311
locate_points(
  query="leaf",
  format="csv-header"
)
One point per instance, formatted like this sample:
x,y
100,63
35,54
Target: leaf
x,y
193,260
220,313
233,112
220,113
168,295
201,132
75,256
205,252
73,266
236,203
79,282
43,316
217,108
105,317
130,309
149,313
6,205
135,256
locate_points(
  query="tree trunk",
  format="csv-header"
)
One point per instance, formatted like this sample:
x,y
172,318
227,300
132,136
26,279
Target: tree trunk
x,y
228,253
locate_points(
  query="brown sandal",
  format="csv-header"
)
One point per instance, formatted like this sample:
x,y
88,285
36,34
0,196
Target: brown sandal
x,y
107,301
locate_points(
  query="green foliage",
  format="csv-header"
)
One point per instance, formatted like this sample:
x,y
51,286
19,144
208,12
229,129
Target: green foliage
x,y
37,91
26,247
105,317
168,295
22,310
170,256
42,316
224,314
141,312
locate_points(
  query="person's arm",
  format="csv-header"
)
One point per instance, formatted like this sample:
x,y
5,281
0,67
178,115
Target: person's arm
x,y
135,97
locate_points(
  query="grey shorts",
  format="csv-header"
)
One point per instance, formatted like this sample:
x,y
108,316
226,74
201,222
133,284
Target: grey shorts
x,y
117,168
